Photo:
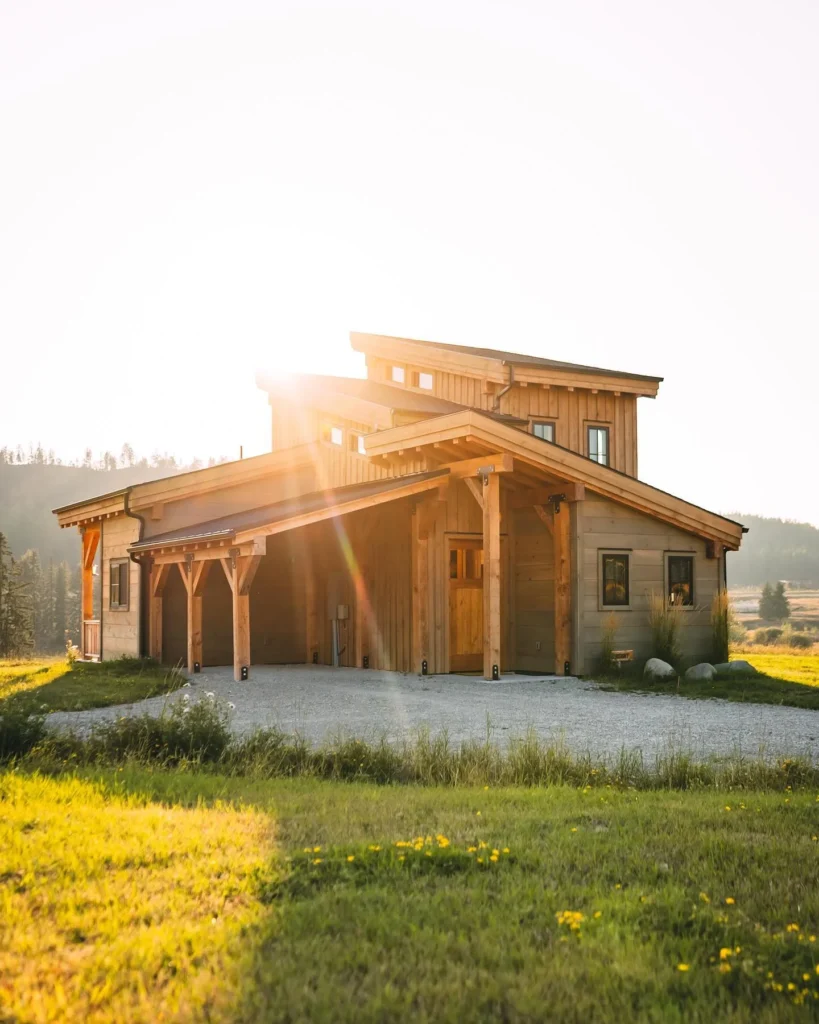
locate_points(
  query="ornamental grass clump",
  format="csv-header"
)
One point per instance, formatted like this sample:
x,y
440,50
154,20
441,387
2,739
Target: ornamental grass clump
x,y
665,621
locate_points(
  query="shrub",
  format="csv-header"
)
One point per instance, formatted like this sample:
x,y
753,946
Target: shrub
x,y
802,640
665,620
768,635
21,729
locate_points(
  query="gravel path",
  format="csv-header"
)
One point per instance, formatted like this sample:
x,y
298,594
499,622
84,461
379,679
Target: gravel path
x,y
321,702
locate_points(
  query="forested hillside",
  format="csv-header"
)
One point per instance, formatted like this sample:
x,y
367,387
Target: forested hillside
x,y
774,549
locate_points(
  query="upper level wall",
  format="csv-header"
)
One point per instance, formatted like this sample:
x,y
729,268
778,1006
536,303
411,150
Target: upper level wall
x,y
572,411
120,626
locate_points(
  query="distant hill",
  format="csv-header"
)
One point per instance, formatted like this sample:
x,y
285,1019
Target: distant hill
x,y
774,549
28,493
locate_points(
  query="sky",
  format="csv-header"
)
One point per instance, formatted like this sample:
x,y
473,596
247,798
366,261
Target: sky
x,y
192,191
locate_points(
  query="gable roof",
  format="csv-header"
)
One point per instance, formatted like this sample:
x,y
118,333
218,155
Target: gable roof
x,y
371,343
479,435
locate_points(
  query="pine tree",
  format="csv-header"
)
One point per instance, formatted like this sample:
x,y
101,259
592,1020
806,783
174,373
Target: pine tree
x,y
48,607
16,636
773,604
60,606
32,574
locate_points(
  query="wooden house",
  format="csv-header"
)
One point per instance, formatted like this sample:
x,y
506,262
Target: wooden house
x,y
460,509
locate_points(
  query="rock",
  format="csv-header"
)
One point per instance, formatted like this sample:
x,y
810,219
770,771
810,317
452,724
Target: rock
x,y
702,672
742,668
735,668
658,670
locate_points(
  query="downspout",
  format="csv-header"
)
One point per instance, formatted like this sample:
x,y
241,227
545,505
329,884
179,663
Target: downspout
x,y
142,604
502,392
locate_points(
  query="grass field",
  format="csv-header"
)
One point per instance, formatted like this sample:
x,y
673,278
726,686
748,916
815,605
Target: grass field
x,y
786,677
54,685
139,896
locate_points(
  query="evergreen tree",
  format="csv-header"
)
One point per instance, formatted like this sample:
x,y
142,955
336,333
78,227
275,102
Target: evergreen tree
x,y
48,607
16,636
773,604
32,575
60,606
74,605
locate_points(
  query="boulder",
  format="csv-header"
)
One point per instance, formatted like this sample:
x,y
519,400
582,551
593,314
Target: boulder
x,y
735,668
658,670
702,672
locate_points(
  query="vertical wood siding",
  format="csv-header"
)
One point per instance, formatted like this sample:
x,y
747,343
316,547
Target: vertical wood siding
x,y
120,628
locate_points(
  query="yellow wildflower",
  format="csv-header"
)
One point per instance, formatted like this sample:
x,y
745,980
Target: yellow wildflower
x,y
705,897
725,952
725,968
351,858
598,913
471,849
494,858
316,849
506,849
806,976
478,813
682,967
730,900
374,849
495,853
317,860
727,808
574,830
792,928
402,857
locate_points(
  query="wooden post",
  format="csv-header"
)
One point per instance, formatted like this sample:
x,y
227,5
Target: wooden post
x,y
491,577
562,534
90,542
194,575
420,589
240,571
159,577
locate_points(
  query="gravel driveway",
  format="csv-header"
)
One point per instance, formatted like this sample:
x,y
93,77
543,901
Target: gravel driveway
x,y
318,702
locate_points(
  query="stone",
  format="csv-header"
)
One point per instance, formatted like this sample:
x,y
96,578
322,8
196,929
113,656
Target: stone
x,y
658,670
735,668
701,672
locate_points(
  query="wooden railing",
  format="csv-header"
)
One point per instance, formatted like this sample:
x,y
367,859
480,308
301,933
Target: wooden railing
x,y
91,638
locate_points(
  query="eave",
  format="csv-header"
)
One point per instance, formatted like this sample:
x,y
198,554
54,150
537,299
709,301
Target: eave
x,y
470,434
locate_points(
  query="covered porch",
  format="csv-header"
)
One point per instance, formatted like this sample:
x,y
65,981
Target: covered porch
x,y
416,573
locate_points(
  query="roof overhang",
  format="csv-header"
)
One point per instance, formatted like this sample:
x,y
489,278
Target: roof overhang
x,y
495,367
246,533
470,435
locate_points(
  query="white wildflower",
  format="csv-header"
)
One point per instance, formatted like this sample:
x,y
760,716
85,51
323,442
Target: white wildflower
x,y
231,705
208,693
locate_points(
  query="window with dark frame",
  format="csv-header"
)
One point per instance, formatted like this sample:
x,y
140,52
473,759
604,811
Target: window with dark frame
x,y
119,574
615,581
599,445
544,430
681,579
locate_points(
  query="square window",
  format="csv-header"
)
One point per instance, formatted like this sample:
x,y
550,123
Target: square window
x,y
545,431
424,381
397,375
599,445
336,436
681,579
357,444
615,581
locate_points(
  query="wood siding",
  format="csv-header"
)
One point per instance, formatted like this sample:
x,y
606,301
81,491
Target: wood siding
x,y
571,411
120,627
534,588
605,525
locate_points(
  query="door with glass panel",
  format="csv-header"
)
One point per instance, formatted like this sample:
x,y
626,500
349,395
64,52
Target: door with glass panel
x,y
465,606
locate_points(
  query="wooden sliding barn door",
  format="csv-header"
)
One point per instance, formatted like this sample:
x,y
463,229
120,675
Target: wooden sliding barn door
x,y
465,606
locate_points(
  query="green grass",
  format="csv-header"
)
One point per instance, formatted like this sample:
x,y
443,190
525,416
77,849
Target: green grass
x,y
143,896
784,678
54,685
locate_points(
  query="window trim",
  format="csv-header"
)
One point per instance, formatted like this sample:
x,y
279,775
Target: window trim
x,y
391,374
327,429
626,553
117,563
692,555
354,439
595,425
415,378
544,423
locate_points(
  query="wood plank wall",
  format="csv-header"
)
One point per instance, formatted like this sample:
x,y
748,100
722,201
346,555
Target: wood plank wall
x,y
534,594
571,411
120,627
608,526
339,465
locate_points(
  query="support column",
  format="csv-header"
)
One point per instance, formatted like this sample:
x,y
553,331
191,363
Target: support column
x,y
90,542
491,576
158,579
420,589
562,534
194,575
240,571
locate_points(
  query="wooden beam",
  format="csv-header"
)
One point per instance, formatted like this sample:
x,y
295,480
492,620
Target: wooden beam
x,y
197,574
158,579
247,571
543,495
546,518
495,462
562,538
420,587
474,489
491,577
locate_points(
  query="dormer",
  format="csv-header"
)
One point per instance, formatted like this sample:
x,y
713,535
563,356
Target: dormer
x,y
586,409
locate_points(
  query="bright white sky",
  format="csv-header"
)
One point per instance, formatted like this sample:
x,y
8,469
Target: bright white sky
x,y
190,191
